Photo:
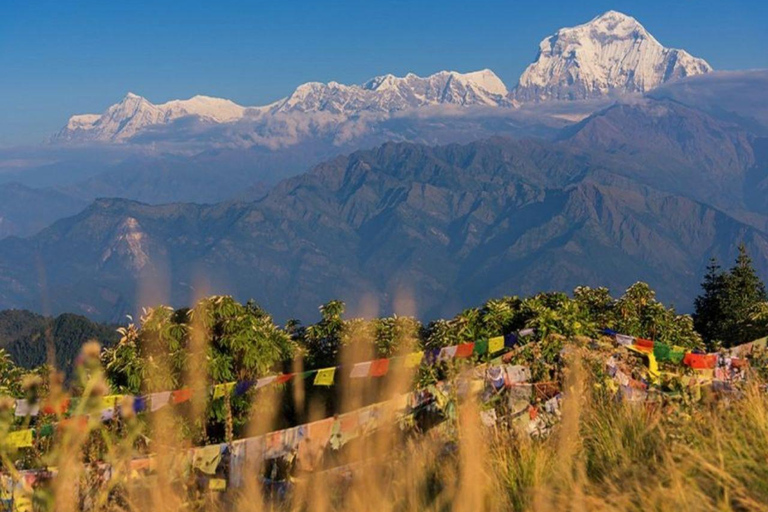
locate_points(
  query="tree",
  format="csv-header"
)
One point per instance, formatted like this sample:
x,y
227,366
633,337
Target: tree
x,y
728,310
324,340
744,291
709,315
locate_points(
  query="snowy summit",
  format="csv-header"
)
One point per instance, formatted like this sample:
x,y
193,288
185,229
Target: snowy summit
x,y
385,95
611,54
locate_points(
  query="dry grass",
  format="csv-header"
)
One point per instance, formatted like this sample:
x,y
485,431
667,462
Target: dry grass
x,y
602,455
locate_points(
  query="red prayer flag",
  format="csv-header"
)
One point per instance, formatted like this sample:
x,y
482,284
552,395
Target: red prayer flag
x,y
643,344
700,361
181,395
379,367
282,379
465,350
55,407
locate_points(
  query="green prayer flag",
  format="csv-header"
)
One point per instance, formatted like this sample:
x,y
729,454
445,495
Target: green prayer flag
x,y
481,347
661,351
676,356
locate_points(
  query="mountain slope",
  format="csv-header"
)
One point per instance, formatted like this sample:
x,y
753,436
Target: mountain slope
x,y
611,54
26,210
439,227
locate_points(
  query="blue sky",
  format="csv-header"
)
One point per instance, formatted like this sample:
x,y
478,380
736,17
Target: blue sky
x,y
63,57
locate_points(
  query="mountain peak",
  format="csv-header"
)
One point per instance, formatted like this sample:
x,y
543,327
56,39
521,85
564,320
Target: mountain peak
x,y
611,54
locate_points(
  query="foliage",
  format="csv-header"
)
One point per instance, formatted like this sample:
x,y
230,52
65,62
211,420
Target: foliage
x,y
240,342
728,311
26,337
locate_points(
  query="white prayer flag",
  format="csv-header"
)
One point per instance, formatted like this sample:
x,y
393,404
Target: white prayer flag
x,y
360,370
23,408
158,400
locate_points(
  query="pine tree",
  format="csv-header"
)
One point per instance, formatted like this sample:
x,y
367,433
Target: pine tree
x,y
744,291
709,316
724,310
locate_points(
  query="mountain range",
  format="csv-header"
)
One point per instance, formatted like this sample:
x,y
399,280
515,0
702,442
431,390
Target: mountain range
x,y
647,190
611,54
614,159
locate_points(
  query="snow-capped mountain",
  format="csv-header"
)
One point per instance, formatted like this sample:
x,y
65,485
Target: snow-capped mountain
x,y
125,119
382,95
612,54
388,94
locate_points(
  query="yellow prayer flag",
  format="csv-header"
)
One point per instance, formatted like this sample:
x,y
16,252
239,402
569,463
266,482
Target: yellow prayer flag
x,y
222,390
413,360
495,344
325,376
217,484
22,502
207,458
20,438
109,401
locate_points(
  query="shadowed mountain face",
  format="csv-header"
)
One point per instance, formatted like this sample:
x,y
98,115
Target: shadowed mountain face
x,y
637,192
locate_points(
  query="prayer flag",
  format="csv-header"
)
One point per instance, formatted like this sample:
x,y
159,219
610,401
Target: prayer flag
x,y
677,354
623,339
414,359
217,484
264,381
495,344
349,423
320,431
661,351
159,400
274,446
488,418
282,379
465,350
139,403
207,458
110,401
325,377
432,355
517,373
55,407
510,340
222,390
243,386
46,430
643,344
481,347
20,438
526,332
23,408
181,395
700,361
360,370
379,367
447,353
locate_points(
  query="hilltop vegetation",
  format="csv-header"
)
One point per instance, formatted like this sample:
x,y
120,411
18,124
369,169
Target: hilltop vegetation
x,y
25,337
593,447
